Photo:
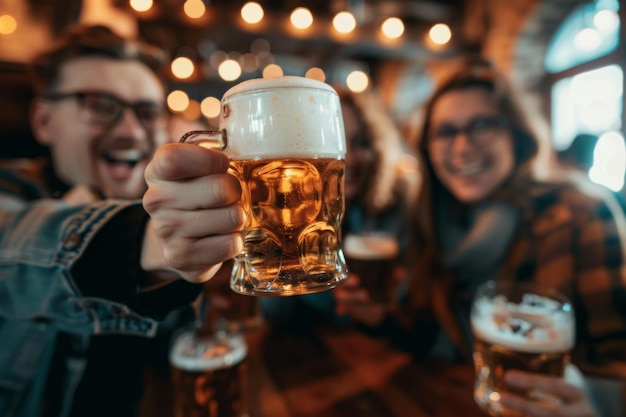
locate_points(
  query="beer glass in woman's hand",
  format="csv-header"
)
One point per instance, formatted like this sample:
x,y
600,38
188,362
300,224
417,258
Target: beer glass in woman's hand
x,y
286,144
523,327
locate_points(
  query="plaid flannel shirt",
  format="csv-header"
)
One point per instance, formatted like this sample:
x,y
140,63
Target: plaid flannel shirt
x,y
574,239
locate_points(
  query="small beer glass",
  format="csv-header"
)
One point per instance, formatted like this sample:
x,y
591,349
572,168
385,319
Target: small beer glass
x,y
372,256
286,144
208,374
518,326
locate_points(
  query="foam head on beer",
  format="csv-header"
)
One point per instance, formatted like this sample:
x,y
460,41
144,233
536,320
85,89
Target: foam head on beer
x,y
370,246
283,117
535,324
198,355
286,143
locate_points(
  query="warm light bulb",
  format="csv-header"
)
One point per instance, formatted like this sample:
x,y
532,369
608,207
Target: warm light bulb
x,y
252,12
8,24
272,71
301,18
210,107
357,81
393,27
182,67
229,70
177,100
194,8
316,74
440,34
141,5
344,22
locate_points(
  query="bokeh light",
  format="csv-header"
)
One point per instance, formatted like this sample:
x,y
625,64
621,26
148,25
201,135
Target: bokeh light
x,y
316,74
8,24
182,67
301,18
357,81
177,101
272,71
252,12
229,70
344,22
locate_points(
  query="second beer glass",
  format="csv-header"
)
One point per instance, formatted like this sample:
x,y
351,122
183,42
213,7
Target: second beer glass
x,y
518,326
286,144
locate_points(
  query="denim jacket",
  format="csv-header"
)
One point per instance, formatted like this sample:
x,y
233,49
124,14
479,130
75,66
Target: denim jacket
x,y
66,273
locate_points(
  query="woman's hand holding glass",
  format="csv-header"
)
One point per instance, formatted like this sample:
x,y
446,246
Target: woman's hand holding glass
x,y
572,399
353,300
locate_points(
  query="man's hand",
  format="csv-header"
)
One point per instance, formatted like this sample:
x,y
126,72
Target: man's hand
x,y
196,216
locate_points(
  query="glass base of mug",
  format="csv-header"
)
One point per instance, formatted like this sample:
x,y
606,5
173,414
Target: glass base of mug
x,y
284,283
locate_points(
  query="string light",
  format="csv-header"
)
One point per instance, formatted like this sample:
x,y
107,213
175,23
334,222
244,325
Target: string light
x,y
141,5
357,81
177,100
344,22
8,24
182,67
210,107
194,8
316,74
272,71
301,18
440,34
252,12
229,70
392,28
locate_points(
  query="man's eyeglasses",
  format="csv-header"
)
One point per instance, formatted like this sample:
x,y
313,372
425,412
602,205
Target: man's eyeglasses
x,y
105,109
479,131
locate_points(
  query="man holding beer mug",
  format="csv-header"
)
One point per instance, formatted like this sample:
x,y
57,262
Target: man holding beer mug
x,y
80,260
482,215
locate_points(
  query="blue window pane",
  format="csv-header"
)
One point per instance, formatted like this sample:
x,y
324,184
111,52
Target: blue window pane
x,y
589,32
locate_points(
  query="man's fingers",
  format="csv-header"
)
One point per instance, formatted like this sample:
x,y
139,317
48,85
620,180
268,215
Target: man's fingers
x,y
180,161
218,190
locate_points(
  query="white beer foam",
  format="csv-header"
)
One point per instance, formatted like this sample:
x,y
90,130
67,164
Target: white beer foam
x,y
190,354
293,117
555,332
370,246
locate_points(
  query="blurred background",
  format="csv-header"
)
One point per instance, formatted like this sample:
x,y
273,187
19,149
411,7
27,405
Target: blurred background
x,y
566,57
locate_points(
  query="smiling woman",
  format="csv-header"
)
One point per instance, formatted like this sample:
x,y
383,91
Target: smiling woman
x,y
484,214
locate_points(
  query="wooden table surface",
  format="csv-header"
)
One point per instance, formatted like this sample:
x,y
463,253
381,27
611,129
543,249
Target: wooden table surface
x,y
340,372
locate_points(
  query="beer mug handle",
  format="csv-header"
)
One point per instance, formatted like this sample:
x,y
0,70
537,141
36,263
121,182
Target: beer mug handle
x,y
212,139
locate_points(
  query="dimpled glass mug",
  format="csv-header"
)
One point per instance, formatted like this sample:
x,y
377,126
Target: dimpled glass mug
x,y
286,144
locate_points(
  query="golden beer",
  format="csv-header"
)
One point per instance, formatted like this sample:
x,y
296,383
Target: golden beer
x,y
208,375
295,208
530,331
286,143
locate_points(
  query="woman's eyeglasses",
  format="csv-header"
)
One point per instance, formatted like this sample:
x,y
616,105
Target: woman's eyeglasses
x,y
480,131
105,109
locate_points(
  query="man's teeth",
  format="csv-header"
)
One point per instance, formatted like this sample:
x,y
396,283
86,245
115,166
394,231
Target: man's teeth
x,y
129,156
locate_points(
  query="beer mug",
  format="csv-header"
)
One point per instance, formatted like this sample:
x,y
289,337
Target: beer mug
x,y
208,375
372,256
518,326
286,144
